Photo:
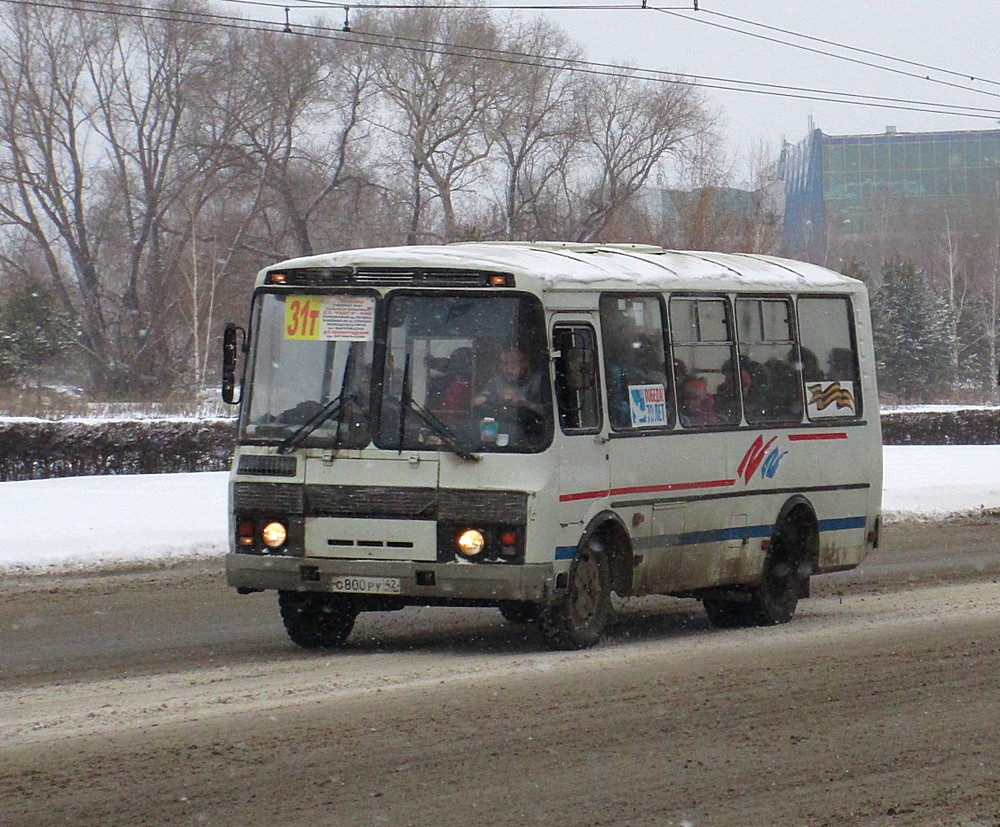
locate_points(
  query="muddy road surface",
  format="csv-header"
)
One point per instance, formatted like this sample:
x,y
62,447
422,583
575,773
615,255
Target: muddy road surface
x,y
157,696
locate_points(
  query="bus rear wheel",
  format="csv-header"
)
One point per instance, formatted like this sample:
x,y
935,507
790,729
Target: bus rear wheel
x,y
316,621
770,602
577,621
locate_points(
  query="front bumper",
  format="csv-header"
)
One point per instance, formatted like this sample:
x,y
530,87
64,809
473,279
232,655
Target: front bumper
x,y
418,581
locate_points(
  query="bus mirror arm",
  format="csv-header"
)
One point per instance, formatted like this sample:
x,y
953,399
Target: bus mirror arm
x,y
233,343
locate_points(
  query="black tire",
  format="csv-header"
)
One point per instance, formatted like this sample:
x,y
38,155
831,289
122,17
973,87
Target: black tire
x,y
770,602
317,621
776,597
577,621
728,614
517,611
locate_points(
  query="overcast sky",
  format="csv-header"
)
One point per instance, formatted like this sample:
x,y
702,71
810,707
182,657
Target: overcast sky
x,y
960,35
956,35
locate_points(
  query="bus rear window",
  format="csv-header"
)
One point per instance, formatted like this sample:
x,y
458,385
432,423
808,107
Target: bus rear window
x,y
829,358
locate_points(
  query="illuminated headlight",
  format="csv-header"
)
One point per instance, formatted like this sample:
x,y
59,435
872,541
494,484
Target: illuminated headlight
x,y
471,542
274,535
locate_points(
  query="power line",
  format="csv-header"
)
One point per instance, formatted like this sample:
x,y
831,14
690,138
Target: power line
x,y
327,4
813,50
851,48
641,6
522,58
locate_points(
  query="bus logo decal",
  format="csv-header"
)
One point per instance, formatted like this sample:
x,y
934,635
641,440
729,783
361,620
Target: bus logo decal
x,y
755,457
770,465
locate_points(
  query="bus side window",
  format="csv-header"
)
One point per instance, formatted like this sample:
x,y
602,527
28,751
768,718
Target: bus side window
x,y
577,392
635,366
768,362
704,361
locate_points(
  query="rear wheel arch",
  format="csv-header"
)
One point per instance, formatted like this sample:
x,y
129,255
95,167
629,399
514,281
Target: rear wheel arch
x,y
796,531
608,532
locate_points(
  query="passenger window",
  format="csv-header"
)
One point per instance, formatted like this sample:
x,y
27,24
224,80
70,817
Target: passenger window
x,y
829,358
635,365
769,375
704,362
577,387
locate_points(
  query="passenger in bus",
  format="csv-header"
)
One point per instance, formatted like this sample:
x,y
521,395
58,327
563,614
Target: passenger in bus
x,y
842,364
808,364
697,404
726,405
783,400
680,372
458,390
615,361
628,362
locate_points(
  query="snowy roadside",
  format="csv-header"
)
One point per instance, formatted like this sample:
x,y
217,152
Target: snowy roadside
x,y
74,523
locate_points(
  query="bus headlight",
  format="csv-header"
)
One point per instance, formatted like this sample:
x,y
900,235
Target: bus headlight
x,y
274,534
471,542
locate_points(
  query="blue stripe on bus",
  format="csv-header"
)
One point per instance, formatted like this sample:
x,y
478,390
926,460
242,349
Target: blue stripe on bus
x,y
842,524
718,535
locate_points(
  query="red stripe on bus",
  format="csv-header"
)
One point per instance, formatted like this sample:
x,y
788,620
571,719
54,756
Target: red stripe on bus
x,y
646,489
585,495
824,435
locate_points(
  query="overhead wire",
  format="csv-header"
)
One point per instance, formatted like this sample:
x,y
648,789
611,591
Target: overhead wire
x,y
527,6
519,58
817,51
848,47
641,6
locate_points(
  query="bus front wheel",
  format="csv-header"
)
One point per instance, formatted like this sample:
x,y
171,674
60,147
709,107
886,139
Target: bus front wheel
x,y
316,621
517,611
577,621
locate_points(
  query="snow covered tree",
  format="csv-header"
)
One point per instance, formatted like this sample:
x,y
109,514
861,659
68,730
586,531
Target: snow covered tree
x,y
36,334
914,335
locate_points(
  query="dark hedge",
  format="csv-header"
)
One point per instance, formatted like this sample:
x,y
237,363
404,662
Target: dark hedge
x,y
38,449
973,426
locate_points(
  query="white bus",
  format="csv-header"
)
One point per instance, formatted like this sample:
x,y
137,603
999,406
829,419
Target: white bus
x,y
535,426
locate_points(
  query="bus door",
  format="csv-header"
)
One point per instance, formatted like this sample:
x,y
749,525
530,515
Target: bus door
x,y
641,418
706,374
582,448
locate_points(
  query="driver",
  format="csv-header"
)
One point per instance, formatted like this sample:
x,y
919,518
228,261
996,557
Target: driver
x,y
513,386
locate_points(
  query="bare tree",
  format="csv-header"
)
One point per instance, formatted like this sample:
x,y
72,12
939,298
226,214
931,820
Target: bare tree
x,y
439,94
301,126
536,125
629,125
93,110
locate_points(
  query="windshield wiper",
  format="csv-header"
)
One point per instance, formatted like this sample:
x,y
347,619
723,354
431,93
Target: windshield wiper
x,y
329,410
408,403
441,430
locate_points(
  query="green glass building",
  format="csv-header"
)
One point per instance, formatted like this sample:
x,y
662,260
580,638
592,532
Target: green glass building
x,y
841,182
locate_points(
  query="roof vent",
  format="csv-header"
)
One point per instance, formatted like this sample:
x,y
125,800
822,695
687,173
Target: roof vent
x,y
890,130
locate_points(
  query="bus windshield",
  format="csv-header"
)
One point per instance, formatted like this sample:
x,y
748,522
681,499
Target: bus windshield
x,y
469,370
310,378
460,373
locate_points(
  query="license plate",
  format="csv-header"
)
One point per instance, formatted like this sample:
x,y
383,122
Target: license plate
x,y
365,585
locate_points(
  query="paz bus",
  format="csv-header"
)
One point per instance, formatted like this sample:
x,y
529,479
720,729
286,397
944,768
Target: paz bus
x,y
538,426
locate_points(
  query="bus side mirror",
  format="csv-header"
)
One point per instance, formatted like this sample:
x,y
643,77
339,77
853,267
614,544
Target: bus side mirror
x,y
581,368
233,338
